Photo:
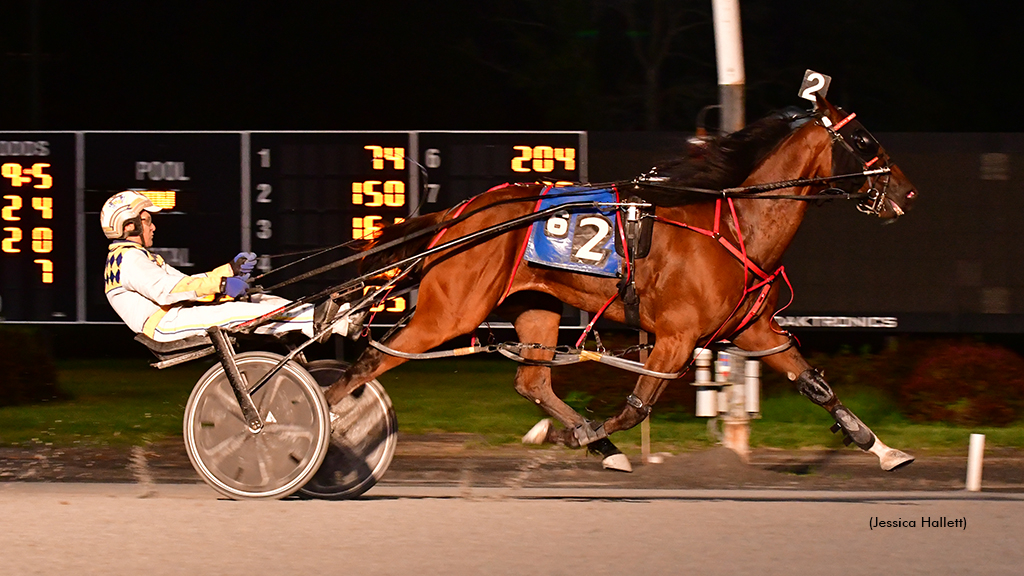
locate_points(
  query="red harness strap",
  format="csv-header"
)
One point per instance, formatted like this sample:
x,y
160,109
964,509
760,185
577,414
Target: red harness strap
x,y
457,211
522,250
740,254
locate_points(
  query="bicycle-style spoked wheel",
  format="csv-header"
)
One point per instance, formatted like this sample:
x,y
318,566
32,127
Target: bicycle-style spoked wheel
x,y
364,432
271,463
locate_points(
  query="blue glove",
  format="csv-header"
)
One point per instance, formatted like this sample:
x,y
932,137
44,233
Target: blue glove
x,y
243,264
233,286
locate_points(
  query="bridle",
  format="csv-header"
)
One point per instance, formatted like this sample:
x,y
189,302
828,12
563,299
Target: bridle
x,y
850,136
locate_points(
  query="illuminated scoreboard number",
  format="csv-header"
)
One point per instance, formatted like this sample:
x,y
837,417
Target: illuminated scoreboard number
x,y
461,165
315,190
193,176
37,214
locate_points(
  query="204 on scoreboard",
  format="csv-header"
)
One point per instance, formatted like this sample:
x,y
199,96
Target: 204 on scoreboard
x,y
312,190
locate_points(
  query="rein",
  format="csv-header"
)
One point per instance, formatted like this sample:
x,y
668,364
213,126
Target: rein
x,y
434,228
485,233
644,181
753,191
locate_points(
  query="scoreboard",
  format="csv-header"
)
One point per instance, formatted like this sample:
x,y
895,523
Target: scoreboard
x,y
280,194
38,213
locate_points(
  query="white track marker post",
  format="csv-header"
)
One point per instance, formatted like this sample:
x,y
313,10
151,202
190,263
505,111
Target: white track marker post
x,y
735,421
645,426
975,453
707,394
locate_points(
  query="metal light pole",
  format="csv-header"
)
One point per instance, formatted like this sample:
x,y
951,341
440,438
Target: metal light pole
x,y
729,51
731,82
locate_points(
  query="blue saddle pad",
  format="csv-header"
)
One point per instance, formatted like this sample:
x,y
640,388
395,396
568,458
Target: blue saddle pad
x,y
581,239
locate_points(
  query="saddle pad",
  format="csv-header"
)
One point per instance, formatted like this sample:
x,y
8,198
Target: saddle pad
x,y
581,239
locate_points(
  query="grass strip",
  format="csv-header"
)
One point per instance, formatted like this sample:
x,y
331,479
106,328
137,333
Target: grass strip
x,y
126,402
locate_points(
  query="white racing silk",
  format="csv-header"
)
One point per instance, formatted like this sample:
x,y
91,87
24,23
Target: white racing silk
x,y
154,298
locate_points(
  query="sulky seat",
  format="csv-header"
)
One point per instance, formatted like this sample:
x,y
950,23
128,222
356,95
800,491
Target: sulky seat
x,y
177,351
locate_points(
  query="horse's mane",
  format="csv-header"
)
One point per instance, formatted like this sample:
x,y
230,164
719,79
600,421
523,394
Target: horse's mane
x,y
719,163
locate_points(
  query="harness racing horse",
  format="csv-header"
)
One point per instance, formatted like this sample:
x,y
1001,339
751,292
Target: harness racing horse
x,y
706,277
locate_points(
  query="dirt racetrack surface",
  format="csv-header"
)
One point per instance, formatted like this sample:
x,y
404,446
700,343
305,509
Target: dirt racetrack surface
x,y
464,460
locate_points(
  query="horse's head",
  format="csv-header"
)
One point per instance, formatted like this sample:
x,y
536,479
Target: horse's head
x,y
855,151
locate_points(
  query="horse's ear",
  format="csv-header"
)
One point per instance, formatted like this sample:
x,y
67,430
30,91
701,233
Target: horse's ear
x,y
824,106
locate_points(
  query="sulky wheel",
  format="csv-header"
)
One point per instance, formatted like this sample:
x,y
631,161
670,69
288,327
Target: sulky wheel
x,y
274,462
363,437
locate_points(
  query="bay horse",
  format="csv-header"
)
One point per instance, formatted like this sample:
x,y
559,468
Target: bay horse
x,y
708,275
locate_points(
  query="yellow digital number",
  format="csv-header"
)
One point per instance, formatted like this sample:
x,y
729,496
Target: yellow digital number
x,y
12,171
543,158
163,199
47,270
366,193
42,240
45,205
37,171
8,243
8,211
390,305
394,193
365,227
566,156
380,154
396,156
525,156
360,191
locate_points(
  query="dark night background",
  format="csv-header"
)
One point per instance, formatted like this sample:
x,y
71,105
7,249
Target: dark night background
x,y
941,66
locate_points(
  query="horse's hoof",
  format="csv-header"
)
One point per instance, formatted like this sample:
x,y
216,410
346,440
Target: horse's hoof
x,y
539,433
617,462
894,459
889,458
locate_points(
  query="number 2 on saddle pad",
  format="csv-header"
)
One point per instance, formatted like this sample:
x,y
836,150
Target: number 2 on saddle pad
x,y
582,240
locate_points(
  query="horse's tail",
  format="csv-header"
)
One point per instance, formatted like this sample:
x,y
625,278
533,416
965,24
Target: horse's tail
x,y
404,249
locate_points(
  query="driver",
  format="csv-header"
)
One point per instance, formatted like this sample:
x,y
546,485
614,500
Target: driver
x,y
157,300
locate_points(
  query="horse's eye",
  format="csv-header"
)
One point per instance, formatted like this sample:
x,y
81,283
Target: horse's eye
x,y
864,142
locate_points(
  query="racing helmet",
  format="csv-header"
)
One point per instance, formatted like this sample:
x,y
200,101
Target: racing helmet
x,y
122,208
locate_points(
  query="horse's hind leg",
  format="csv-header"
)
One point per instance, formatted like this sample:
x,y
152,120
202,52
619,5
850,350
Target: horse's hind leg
x,y
811,383
534,383
423,332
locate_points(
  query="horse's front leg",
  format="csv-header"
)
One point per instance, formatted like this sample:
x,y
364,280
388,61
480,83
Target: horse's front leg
x,y
811,383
